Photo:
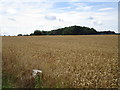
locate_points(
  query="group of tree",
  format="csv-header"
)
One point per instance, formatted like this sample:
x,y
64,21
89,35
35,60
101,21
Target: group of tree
x,y
23,35
72,30
38,32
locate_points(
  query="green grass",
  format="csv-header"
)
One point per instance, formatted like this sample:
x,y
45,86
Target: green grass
x,y
38,81
8,80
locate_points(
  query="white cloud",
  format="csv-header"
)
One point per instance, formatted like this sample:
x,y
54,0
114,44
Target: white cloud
x,y
91,18
12,19
97,23
50,17
4,33
59,1
104,9
61,20
84,8
25,17
11,11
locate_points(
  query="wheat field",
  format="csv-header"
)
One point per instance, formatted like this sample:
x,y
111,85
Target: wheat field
x,y
81,61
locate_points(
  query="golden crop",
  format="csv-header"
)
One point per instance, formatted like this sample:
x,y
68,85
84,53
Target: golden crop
x,y
83,61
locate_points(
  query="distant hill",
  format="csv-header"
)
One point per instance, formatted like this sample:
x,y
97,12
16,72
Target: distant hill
x,y
71,30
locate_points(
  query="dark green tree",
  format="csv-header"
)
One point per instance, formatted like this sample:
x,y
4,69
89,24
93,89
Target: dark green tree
x,y
72,30
31,34
19,34
44,32
37,32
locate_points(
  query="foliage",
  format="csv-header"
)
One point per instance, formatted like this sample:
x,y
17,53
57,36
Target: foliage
x,y
19,34
31,34
37,32
106,32
44,32
72,30
8,80
38,81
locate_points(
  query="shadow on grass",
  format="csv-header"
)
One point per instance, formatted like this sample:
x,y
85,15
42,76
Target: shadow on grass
x,y
8,80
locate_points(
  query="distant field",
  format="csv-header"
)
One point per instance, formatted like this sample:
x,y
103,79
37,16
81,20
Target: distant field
x,y
83,61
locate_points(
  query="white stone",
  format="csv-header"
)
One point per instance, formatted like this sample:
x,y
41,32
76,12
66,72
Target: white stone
x,y
35,71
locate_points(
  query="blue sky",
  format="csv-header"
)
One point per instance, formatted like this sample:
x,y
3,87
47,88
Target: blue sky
x,y
19,16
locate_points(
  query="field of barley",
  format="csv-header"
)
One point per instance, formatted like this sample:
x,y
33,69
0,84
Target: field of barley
x,y
81,61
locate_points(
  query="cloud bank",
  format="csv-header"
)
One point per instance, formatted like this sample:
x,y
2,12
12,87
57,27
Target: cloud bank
x,y
25,16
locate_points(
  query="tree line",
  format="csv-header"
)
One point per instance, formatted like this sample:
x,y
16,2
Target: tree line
x,y
71,30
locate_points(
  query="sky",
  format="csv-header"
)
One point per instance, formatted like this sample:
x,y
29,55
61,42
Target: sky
x,y
26,16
